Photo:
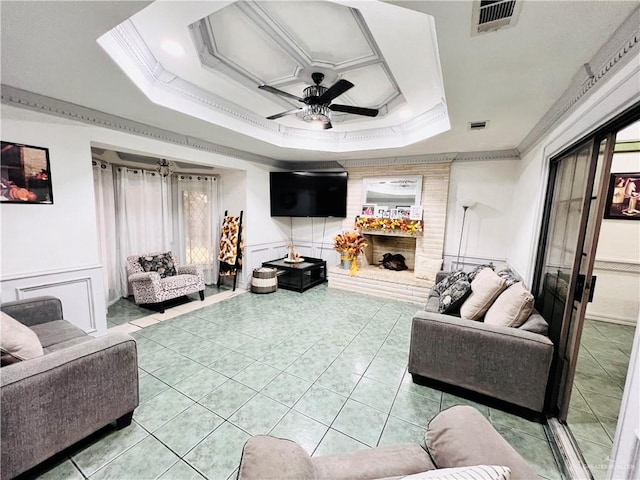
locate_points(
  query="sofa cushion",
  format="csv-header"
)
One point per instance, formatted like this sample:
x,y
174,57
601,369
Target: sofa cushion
x,y
476,472
453,297
442,285
380,462
485,288
161,263
58,331
512,307
510,276
266,457
460,436
17,341
535,324
476,270
179,281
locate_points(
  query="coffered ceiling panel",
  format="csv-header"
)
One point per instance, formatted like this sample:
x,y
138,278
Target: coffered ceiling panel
x,y
247,47
345,40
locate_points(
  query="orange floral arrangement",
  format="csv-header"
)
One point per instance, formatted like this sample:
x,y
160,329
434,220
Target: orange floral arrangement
x,y
349,244
411,227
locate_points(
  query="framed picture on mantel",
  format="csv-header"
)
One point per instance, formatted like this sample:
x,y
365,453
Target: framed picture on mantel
x,y
25,174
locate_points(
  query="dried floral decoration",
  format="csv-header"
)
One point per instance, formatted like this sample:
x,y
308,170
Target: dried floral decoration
x,y
411,227
350,244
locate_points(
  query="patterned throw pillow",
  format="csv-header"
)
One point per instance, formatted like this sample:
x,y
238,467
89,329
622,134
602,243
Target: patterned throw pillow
x,y
454,296
472,274
162,263
510,276
442,285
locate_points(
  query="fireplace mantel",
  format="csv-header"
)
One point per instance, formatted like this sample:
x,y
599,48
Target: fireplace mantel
x,y
397,227
390,233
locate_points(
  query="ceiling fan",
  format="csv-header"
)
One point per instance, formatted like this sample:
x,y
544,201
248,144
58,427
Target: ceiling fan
x,y
317,102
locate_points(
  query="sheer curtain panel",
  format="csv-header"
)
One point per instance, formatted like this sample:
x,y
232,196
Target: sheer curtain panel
x,y
198,222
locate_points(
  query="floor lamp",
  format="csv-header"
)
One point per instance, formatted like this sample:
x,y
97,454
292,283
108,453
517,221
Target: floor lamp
x,y
464,216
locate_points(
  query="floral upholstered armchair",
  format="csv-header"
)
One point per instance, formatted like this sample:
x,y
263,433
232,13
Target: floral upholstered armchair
x,y
155,278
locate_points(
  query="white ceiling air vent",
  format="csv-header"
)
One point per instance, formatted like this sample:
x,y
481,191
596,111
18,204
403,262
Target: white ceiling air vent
x,y
491,15
478,125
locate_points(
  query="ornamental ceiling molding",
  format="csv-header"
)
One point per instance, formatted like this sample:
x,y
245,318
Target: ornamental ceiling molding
x,y
125,45
213,57
612,56
17,97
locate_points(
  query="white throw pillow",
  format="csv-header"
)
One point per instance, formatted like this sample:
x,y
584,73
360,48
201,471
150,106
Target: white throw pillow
x,y
17,341
477,472
512,308
485,288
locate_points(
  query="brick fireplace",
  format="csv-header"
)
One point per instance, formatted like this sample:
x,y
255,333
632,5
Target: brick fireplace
x,y
423,253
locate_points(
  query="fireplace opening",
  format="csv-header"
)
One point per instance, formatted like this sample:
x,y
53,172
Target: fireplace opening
x,y
378,245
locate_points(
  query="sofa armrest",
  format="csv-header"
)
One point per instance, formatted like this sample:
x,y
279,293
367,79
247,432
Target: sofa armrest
x,y
51,402
269,458
502,362
34,311
189,269
460,436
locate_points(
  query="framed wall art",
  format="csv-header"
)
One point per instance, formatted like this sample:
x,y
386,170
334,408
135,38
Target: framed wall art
x,y
623,198
25,174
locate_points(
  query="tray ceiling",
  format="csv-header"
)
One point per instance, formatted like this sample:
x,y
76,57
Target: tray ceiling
x,y
233,47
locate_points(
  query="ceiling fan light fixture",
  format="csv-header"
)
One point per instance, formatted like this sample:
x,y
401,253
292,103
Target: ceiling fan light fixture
x,y
316,113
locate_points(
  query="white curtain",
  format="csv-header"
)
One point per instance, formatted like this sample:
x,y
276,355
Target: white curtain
x,y
106,218
143,216
197,224
138,212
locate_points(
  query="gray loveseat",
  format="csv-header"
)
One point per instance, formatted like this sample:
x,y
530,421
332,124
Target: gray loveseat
x,y
457,437
505,363
78,386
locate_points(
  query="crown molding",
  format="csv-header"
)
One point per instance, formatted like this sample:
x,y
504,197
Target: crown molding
x,y
612,56
17,97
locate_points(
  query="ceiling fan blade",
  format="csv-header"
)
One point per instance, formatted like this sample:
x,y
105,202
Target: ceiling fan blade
x,y
279,92
367,112
282,114
334,91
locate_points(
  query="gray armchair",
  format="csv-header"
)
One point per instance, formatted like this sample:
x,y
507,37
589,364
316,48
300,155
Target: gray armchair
x,y
78,386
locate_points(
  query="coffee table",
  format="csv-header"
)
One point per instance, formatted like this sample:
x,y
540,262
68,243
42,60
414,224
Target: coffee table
x,y
299,276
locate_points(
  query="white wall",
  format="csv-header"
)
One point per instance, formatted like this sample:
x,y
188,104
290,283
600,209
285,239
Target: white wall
x,y
611,98
52,249
487,187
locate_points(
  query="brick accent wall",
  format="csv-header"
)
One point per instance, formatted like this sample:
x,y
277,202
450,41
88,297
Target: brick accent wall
x,y
435,189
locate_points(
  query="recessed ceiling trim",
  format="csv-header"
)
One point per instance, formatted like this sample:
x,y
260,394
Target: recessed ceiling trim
x,y
127,48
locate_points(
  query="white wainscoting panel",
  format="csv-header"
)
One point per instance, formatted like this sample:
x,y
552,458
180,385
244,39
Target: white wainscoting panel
x,y
79,289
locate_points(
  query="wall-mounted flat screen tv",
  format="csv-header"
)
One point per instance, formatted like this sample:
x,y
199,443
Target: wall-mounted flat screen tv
x,y
309,194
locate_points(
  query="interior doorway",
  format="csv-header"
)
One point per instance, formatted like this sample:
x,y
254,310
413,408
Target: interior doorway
x,y
591,208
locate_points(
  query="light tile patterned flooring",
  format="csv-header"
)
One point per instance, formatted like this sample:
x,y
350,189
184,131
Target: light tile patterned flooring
x,y
605,349
326,368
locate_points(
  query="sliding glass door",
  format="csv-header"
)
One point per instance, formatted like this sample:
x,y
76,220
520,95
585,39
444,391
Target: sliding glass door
x,y
565,281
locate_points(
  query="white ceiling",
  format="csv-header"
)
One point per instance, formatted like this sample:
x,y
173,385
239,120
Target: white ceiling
x,y
510,77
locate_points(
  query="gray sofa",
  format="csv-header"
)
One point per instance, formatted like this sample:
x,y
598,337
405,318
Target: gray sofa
x,y
78,386
457,437
505,363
